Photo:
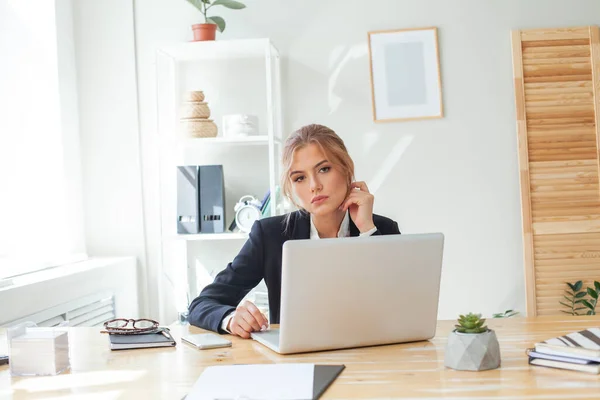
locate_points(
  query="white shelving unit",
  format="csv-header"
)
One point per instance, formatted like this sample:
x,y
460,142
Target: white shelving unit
x,y
237,77
248,141
215,236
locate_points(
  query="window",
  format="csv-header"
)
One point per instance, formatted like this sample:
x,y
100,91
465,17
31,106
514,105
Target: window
x,y
41,222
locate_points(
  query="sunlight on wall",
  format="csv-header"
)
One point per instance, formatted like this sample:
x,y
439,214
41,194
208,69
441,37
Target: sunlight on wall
x,y
174,275
388,163
369,140
339,58
336,67
203,276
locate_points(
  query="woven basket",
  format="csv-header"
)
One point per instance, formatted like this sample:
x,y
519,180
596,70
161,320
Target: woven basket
x,y
200,128
195,95
194,109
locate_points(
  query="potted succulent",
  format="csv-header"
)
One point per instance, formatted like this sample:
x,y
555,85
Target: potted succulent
x,y
472,346
207,30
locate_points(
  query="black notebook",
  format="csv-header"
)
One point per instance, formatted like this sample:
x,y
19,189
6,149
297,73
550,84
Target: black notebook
x,y
141,341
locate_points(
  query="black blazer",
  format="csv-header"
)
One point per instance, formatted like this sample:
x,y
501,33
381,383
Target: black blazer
x,y
260,258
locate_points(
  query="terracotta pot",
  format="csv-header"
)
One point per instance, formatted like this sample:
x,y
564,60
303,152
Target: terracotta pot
x,y
204,32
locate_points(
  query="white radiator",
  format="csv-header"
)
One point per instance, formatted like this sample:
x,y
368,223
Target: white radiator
x,y
85,294
91,310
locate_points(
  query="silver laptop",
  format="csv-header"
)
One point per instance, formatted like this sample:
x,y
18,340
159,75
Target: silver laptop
x,y
354,292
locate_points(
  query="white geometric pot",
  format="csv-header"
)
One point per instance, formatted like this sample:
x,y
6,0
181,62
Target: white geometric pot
x,y
472,351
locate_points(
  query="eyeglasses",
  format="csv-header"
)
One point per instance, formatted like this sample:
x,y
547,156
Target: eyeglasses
x,y
122,326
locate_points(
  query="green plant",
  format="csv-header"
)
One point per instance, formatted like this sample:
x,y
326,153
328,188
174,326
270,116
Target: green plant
x,y
591,303
506,314
576,297
471,323
205,5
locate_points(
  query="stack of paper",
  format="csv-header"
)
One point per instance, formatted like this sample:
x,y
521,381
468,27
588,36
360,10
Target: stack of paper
x,y
578,351
39,352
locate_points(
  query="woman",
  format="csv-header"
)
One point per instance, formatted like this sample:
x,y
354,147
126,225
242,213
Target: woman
x,y
318,177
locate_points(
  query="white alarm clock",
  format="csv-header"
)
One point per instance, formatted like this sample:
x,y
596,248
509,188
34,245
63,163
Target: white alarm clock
x,y
247,210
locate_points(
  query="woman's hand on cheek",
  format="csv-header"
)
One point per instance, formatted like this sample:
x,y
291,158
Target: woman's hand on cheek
x,y
360,205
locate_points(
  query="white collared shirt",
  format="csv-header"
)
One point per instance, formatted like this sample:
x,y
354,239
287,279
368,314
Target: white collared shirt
x,y
344,229
314,235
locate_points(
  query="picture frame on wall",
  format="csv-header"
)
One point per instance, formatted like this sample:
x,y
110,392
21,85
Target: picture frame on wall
x,y
405,74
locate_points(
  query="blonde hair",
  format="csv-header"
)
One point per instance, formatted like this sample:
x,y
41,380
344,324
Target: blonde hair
x,y
330,143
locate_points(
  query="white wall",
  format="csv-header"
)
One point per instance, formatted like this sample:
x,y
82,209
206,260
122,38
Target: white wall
x,y
457,175
106,68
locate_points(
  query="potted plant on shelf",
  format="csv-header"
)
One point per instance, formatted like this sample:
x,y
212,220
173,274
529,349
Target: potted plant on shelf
x,y
472,346
207,30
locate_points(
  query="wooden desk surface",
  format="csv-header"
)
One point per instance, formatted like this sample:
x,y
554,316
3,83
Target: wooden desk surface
x,y
414,370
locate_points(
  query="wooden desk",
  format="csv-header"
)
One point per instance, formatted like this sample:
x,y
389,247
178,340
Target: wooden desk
x,y
397,371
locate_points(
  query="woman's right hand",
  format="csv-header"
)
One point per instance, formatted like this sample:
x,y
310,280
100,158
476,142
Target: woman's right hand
x,y
247,319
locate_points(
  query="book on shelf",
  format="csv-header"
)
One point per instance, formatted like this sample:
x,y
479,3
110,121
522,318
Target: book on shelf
x,y
265,204
577,351
264,200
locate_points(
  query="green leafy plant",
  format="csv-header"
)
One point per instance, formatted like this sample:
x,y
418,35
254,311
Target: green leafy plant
x,y
205,5
575,297
591,303
506,314
471,323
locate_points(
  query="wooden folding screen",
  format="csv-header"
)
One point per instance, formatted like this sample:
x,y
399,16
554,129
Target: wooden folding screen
x,y
557,89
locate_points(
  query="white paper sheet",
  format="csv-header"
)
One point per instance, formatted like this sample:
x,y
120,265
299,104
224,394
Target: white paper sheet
x,y
255,382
